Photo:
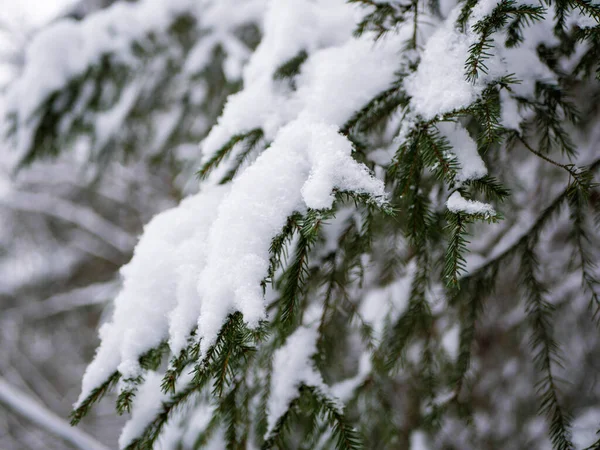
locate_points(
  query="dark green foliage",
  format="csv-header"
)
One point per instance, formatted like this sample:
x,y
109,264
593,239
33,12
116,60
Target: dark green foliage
x,y
292,67
377,111
545,349
248,140
479,52
311,399
96,395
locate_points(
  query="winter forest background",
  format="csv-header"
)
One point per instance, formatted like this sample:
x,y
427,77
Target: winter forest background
x,y
410,263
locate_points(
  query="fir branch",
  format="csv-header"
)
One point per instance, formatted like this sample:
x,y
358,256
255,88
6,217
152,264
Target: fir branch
x,y
320,405
487,111
550,114
589,280
455,262
294,278
479,51
251,141
95,396
278,248
127,394
489,187
150,360
345,435
152,431
178,363
291,68
582,179
378,110
415,320
546,215
214,363
546,350
436,153
384,17
253,136
470,299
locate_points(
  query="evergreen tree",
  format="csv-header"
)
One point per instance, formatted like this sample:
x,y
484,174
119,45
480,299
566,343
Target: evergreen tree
x,y
395,239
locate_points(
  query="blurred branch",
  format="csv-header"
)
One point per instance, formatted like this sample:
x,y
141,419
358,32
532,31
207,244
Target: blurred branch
x,y
92,294
22,404
83,217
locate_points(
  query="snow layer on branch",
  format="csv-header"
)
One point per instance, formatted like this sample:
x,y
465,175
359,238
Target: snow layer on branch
x,y
439,84
337,79
67,48
161,274
147,405
292,366
306,161
456,203
206,258
464,147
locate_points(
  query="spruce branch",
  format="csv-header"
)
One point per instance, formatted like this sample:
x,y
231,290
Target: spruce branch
x,y
546,353
480,51
589,280
291,68
250,138
251,142
95,396
491,188
414,321
377,111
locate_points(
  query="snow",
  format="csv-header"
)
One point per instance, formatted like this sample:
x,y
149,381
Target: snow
x,y
585,427
439,84
456,203
173,244
335,81
451,341
292,366
418,441
146,406
306,161
464,147
206,258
